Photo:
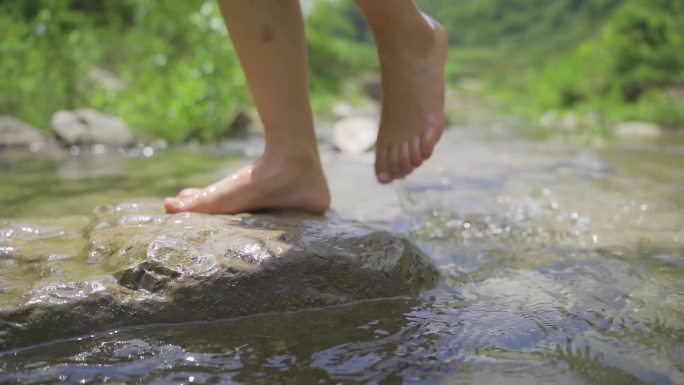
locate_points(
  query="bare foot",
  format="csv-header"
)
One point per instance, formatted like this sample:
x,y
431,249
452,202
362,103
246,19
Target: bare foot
x,y
266,184
413,103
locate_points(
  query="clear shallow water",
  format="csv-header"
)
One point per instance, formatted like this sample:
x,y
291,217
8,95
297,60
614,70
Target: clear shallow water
x,y
560,265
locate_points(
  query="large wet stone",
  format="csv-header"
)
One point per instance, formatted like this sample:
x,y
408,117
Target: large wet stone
x,y
132,264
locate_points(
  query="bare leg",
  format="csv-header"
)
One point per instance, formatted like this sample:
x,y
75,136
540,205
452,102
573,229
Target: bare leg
x,y
412,49
268,36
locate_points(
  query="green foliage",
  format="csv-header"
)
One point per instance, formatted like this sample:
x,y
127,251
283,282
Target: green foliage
x,y
167,67
633,70
181,74
335,53
177,71
516,23
609,59
646,40
42,61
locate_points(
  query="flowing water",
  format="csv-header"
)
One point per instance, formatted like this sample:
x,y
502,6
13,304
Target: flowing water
x,y
561,264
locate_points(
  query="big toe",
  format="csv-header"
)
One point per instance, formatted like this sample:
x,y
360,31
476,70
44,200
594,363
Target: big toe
x,y
186,192
174,205
428,140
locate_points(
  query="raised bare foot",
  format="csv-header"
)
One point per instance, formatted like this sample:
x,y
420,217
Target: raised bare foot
x,y
413,101
267,184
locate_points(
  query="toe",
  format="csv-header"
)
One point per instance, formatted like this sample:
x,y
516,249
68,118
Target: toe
x,y
405,159
174,205
395,161
416,154
186,192
425,147
382,171
197,203
428,140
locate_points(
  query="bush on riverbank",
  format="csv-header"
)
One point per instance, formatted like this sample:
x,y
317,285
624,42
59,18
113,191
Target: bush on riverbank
x,y
633,70
603,61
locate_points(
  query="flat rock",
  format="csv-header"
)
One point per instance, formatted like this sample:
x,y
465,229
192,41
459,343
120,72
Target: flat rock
x,y
15,133
87,126
131,264
355,135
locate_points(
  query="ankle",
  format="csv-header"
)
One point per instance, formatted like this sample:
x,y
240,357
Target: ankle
x,y
415,37
295,157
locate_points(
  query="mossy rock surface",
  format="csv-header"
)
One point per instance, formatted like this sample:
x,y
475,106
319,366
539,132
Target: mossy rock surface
x,y
131,264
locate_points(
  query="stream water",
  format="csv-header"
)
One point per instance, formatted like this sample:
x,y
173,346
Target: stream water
x,y
560,264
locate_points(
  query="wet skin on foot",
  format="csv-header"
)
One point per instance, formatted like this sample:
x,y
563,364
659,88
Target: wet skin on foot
x,y
266,184
413,105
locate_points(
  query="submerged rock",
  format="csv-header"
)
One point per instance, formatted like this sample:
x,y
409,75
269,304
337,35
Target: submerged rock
x,y
131,264
87,127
